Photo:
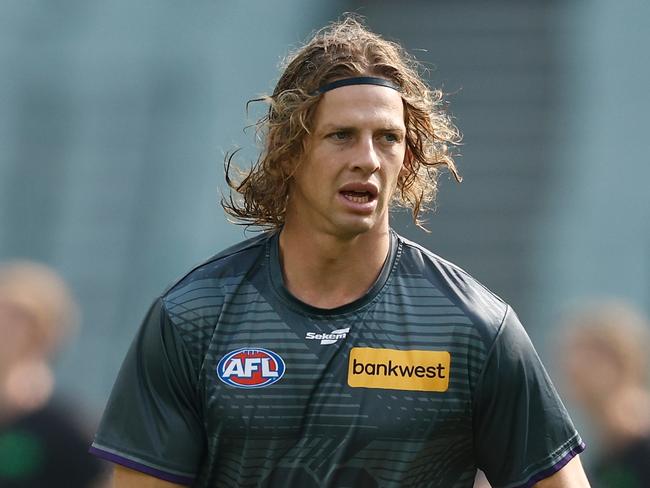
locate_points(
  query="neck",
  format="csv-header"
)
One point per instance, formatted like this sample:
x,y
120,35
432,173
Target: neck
x,y
328,271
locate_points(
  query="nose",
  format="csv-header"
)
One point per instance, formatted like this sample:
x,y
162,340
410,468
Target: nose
x,y
366,158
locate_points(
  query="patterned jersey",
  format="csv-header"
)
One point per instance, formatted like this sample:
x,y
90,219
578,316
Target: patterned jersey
x,y
234,382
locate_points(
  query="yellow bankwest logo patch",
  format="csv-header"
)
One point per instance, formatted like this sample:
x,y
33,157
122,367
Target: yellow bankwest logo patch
x,y
399,370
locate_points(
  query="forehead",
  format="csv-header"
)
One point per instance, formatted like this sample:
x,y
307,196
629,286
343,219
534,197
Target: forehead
x,y
360,104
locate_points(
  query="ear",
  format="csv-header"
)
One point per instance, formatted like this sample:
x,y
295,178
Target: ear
x,y
288,167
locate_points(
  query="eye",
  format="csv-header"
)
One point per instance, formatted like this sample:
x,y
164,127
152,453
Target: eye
x,y
392,137
339,135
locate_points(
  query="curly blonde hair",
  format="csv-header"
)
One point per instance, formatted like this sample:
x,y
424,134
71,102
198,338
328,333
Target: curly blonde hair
x,y
343,49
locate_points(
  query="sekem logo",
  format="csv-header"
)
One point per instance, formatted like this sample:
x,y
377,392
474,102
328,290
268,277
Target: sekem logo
x,y
328,338
250,368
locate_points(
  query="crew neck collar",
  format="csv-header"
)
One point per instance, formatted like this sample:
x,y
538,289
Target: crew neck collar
x,y
276,278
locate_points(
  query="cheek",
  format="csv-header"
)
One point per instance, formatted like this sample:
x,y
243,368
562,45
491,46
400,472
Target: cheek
x,y
308,180
403,173
401,170
407,163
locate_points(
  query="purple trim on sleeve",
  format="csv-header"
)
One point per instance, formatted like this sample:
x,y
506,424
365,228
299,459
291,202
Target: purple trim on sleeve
x,y
545,473
143,468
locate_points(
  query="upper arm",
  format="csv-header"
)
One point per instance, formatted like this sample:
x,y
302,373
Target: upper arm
x,y
570,476
128,478
538,438
152,421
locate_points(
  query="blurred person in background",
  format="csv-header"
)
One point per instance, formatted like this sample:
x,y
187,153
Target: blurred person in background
x,y
605,357
41,443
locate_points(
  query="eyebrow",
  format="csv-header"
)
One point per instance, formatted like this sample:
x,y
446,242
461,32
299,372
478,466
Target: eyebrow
x,y
352,128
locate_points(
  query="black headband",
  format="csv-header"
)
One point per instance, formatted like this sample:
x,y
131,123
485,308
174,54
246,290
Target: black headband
x,y
359,80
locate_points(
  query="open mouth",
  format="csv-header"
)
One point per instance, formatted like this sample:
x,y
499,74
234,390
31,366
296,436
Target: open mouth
x,y
358,196
359,192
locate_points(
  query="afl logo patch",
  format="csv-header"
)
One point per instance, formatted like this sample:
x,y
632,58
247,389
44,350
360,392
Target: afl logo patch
x,y
250,368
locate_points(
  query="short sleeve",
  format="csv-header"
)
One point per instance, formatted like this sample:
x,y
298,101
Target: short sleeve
x,y
152,422
522,432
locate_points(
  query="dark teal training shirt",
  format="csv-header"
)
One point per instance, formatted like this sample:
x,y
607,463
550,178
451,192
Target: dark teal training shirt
x,y
233,382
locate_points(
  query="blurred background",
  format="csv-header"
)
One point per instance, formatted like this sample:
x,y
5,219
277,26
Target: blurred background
x,y
116,115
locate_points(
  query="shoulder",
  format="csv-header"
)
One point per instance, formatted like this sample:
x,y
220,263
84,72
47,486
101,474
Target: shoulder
x,y
190,307
483,307
226,267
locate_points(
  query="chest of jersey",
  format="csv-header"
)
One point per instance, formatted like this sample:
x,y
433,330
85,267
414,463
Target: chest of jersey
x,y
389,371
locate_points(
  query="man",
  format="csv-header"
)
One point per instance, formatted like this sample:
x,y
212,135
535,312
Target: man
x,y
604,354
42,443
330,351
